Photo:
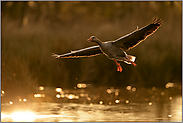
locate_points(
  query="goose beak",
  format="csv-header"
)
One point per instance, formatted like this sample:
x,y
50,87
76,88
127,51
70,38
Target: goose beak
x,y
89,39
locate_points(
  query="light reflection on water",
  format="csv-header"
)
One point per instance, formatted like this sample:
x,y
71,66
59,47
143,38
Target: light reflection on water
x,y
71,112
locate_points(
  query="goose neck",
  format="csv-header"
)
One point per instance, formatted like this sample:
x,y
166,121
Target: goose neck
x,y
98,42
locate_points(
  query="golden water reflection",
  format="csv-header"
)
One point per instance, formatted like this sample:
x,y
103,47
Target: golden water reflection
x,y
71,112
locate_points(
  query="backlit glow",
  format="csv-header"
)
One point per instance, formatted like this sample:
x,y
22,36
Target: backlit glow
x,y
133,89
150,103
81,85
71,96
82,95
39,95
2,92
24,100
58,96
170,98
117,101
10,102
169,84
58,90
76,97
109,91
101,102
162,93
128,88
62,95
112,90
127,101
41,88
88,98
23,116
116,93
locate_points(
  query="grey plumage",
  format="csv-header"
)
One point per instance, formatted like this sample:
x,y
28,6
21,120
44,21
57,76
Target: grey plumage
x,y
116,50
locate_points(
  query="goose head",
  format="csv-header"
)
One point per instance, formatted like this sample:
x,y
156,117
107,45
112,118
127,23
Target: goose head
x,y
93,39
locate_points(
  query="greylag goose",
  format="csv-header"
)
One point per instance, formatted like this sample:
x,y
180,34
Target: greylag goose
x,y
116,50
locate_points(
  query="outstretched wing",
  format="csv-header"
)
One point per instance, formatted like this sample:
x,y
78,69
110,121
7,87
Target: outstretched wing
x,y
86,52
131,40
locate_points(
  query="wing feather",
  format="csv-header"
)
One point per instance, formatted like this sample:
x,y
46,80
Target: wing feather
x,y
86,52
131,40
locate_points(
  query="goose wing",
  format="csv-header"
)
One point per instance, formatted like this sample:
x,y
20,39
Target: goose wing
x,y
86,52
131,40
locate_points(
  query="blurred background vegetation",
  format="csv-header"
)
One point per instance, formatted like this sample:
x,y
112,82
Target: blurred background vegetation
x,y
32,31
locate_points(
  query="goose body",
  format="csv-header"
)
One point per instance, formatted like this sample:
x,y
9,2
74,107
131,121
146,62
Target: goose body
x,y
116,50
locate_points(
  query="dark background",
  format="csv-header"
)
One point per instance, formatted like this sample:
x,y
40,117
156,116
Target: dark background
x,y
32,31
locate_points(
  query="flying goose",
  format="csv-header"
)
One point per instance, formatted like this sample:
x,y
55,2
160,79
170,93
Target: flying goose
x,y
116,50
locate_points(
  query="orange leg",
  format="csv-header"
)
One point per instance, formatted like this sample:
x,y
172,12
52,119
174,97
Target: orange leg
x,y
119,68
131,62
